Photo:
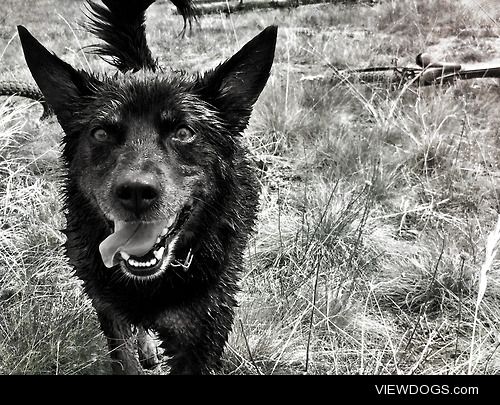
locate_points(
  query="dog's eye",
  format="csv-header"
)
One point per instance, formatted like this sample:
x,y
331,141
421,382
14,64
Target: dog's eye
x,y
101,135
183,135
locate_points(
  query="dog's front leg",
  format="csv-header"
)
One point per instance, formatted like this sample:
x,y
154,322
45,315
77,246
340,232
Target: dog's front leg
x,y
121,343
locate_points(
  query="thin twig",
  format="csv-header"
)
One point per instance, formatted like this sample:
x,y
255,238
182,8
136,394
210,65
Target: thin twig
x,y
460,294
427,296
248,348
312,313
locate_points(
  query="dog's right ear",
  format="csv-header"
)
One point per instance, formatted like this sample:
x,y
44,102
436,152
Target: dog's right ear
x,y
61,85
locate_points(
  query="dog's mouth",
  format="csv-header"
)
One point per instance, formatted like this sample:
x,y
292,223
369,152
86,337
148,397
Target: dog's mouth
x,y
146,249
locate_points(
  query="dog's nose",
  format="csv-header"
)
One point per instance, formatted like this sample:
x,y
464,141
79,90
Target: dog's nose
x,y
137,192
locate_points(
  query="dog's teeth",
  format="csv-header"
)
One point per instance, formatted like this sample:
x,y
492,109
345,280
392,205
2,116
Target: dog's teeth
x,y
159,253
158,258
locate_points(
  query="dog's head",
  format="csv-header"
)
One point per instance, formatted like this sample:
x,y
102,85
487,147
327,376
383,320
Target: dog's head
x,y
149,150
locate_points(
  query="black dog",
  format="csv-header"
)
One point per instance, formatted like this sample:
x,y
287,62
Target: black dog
x,y
160,196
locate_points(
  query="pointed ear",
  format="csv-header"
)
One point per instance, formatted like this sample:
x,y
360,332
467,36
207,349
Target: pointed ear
x,y
234,86
61,85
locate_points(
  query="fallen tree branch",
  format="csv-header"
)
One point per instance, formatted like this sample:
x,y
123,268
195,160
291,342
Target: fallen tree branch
x,y
428,72
234,6
26,90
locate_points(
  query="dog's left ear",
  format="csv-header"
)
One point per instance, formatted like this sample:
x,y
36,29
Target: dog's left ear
x,y
234,86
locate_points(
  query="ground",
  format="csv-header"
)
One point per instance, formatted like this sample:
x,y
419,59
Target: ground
x,y
374,251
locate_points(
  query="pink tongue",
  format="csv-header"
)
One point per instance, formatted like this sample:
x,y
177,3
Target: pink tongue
x,y
134,238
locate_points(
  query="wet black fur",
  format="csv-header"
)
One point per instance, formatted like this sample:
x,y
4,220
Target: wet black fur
x,y
191,311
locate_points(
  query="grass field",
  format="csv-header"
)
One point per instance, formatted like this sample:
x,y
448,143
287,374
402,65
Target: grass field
x,y
375,248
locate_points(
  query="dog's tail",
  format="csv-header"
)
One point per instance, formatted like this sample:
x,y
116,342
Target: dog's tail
x,y
121,25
